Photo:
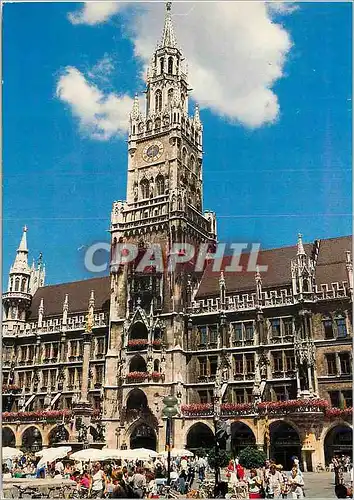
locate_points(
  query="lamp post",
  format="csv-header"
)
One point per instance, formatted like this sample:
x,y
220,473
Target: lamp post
x,y
170,410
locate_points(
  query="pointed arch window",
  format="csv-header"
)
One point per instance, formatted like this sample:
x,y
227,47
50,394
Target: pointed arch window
x,y
158,100
191,163
157,123
184,155
170,95
160,185
170,66
23,284
161,65
144,187
17,284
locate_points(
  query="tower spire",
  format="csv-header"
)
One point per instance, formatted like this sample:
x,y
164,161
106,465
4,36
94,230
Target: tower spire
x,y
300,246
20,264
168,34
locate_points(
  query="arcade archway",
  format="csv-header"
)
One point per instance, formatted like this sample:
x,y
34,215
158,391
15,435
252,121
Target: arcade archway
x,y
138,331
338,440
284,444
143,436
58,434
137,364
137,400
200,436
241,437
8,437
31,440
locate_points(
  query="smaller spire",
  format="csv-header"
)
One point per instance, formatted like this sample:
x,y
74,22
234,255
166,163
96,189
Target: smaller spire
x,y
66,303
300,246
90,316
168,35
135,112
196,118
23,243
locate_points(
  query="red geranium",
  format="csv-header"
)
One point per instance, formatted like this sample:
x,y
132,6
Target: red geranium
x,y
137,342
137,375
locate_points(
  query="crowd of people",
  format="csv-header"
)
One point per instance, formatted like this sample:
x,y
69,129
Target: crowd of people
x,y
147,479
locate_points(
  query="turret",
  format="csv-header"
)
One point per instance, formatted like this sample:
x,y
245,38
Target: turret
x,y
302,273
17,299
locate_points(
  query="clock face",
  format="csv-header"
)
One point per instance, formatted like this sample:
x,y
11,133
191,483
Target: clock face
x,y
153,152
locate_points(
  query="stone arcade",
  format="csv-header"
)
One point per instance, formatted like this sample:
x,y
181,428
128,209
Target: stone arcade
x,y
89,362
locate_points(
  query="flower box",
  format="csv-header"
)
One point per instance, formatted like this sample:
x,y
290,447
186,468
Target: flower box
x,y
197,409
339,413
41,415
157,375
293,405
237,409
156,343
136,376
10,388
137,344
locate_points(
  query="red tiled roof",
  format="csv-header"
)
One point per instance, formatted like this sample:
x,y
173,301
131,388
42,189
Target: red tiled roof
x,y
330,268
78,296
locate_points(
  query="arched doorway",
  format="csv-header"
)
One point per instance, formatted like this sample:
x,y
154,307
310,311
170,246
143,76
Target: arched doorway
x,y
31,440
200,436
284,444
241,437
138,331
338,440
143,436
137,364
58,434
8,437
137,400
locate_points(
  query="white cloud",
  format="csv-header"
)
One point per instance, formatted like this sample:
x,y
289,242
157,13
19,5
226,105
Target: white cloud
x,y
95,12
100,115
235,51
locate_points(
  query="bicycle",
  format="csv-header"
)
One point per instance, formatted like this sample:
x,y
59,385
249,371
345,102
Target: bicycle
x,y
31,491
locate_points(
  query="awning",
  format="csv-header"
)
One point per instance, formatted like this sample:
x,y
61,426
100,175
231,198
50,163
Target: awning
x,y
28,402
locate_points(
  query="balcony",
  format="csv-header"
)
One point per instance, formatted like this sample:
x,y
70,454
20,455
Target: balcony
x,y
319,406
135,377
137,344
10,389
36,416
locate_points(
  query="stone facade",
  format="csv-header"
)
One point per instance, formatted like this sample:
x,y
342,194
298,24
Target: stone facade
x,y
268,351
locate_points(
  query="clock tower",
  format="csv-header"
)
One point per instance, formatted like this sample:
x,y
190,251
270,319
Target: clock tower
x,y
164,202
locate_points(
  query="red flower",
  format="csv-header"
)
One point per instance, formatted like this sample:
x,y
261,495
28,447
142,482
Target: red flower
x,y
156,375
137,375
36,415
137,342
197,409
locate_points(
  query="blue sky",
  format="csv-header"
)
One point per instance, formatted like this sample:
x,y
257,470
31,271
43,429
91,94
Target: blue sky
x,y
266,183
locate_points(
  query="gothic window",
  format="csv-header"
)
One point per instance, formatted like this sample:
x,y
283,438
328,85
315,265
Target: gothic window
x,y
237,332
341,327
202,367
280,394
331,364
238,362
250,363
174,117
144,186
99,374
158,100
133,129
249,331
305,285
141,127
213,365
278,361
184,156
328,328
288,326
170,95
202,335
158,123
161,65
347,398
156,365
290,360
192,163
17,284
160,185
345,363
213,334
239,396
334,398
23,284
137,364
148,125
170,65
275,327
11,284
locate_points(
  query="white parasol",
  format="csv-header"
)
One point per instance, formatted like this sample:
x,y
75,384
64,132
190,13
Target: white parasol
x,y
52,454
176,452
138,453
9,453
90,454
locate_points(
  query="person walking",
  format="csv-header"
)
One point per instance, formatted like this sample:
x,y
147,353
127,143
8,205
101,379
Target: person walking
x,y
296,484
98,481
274,481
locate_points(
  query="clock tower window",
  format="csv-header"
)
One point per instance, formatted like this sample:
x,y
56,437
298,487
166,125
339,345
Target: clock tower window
x,y
170,65
161,65
158,100
160,185
144,186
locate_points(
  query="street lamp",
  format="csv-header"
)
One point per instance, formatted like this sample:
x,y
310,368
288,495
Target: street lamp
x,y
170,410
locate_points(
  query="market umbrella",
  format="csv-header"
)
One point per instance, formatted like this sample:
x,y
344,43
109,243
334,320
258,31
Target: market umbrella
x,y
90,454
138,453
9,453
176,452
52,454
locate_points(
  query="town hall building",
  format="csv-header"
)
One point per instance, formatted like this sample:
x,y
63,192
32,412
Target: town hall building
x,y
90,362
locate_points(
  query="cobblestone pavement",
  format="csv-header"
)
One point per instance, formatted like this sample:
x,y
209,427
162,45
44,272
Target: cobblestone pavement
x,y
320,485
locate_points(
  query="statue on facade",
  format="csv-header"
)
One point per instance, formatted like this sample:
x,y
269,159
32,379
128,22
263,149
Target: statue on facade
x,y
150,365
101,429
